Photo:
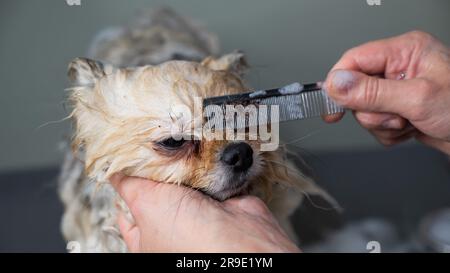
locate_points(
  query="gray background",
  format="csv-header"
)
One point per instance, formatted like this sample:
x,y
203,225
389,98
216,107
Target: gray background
x,y
285,41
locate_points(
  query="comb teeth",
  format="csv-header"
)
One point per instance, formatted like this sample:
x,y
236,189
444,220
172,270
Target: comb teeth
x,y
304,105
291,107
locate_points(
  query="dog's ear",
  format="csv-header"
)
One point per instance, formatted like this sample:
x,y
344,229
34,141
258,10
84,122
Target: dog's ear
x,y
234,62
86,72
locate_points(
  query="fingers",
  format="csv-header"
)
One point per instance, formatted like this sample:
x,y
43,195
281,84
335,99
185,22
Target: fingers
x,y
388,129
358,91
353,85
387,58
137,193
380,121
129,231
159,210
393,137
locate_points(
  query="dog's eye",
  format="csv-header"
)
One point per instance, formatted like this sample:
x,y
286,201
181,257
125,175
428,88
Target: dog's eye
x,y
172,143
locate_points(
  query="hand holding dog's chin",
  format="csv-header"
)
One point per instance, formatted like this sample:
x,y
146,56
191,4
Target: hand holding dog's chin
x,y
172,218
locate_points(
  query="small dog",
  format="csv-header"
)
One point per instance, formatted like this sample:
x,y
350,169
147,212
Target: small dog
x,y
123,119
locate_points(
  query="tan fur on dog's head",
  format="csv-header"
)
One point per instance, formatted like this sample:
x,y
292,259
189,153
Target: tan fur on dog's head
x,y
124,121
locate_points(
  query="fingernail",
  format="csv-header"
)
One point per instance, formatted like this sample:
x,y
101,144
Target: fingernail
x,y
342,81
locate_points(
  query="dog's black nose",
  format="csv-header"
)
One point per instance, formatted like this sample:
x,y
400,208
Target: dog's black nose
x,y
239,156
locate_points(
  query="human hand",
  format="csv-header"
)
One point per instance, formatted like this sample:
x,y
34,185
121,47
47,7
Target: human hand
x,y
398,88
172,218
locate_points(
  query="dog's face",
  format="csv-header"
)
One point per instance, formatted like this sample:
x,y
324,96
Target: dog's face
x,y
126,121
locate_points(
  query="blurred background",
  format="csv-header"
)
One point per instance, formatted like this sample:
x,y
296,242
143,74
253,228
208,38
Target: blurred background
x,y
385,193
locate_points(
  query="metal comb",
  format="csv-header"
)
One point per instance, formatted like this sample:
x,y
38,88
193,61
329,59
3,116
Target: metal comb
x,y
295,102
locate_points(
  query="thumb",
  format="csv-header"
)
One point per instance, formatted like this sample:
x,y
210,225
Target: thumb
x,y
358,91
131,189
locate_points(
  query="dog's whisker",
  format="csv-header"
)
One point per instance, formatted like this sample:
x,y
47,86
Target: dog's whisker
x,y
284,165
314,204
291,142
51,122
